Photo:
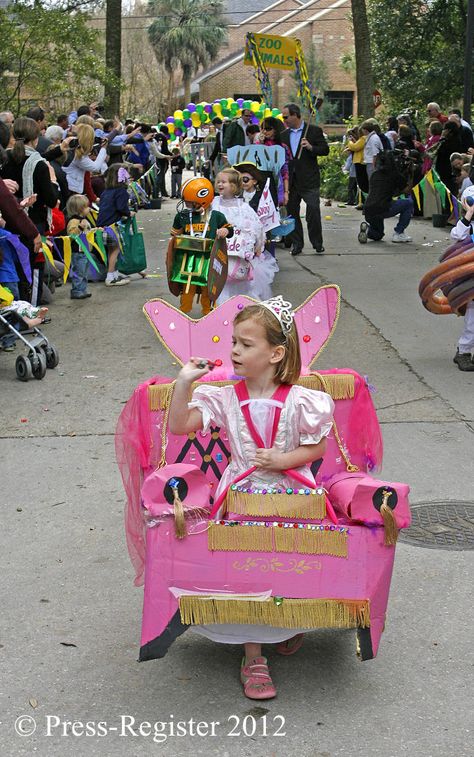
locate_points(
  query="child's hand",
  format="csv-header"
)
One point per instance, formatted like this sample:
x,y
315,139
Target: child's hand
x,y
267,459
468,208
222,233
194,369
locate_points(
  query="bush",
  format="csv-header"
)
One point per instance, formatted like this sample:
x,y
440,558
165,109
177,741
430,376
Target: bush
x,y
334,182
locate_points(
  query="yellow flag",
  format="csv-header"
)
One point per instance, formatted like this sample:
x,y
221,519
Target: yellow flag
x,y
48,254
416,193
67,256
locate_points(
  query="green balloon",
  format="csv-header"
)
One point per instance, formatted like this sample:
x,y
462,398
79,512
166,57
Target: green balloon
x,y
223,104
178,123
203,117
226,112
246,105
186,113
199,109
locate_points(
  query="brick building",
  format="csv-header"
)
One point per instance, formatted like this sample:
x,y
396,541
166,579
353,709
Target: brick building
x,y
323,24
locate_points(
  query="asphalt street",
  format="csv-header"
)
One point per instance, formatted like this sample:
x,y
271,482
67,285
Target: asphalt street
x,y
70,619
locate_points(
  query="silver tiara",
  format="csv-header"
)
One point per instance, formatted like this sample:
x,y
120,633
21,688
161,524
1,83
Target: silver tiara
x,y
282,310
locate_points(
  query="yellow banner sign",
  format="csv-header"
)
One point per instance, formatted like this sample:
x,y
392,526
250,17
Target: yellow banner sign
x,y
276,52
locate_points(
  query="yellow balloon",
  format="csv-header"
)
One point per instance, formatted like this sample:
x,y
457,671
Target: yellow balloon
x,y
254,107
195,119
267,113
178,114
171,128
230,100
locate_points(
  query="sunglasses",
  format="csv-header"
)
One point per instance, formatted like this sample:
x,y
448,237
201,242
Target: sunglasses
x,y
285,117
246,179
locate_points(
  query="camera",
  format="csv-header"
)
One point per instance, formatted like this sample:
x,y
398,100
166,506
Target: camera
x,y
74,143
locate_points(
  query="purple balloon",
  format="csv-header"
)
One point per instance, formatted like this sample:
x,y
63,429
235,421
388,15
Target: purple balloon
x,y
187,122
191,107
240,101
255,120
170,120
208,108
178,132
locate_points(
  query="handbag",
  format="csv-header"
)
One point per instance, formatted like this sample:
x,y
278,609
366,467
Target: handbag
x,y
240,270
132,258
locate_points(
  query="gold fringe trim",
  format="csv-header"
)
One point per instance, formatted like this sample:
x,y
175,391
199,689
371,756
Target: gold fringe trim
x,y
286,613
307,542
339,385
281,505
274,539
239,538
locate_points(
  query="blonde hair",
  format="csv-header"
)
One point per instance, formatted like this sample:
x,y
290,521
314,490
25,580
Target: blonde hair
x,y
76,204
288,370
234,178
85,135
85,119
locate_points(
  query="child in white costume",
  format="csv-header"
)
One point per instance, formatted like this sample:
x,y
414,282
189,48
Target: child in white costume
x,y
248,241
267,404
462,230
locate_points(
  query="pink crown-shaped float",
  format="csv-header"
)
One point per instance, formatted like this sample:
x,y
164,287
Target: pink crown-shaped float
x,y
211,336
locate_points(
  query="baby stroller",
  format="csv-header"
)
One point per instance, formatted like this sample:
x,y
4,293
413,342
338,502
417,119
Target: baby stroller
x,y
42,354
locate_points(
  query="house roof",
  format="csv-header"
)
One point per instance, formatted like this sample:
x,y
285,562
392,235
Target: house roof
x,y
269,27
239,11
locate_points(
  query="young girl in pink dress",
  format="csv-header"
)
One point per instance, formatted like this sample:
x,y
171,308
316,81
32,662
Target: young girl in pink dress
x,y
248,240
274,428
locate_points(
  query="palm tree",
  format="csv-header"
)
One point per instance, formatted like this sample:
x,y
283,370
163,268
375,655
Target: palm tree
x,y
186,33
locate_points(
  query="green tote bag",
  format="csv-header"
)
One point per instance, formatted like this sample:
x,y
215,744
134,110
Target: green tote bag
x,y
132,259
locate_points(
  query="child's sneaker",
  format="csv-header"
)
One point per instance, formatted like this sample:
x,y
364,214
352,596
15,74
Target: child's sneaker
x,y
117,281
463,361
401,238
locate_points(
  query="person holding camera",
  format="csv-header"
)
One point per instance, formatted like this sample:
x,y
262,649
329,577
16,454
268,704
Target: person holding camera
x,y
82,162
391,177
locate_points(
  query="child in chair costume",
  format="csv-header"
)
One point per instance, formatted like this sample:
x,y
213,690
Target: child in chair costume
x,y
195,218
276,429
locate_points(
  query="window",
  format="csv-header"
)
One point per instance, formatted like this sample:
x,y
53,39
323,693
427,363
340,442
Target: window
x,y
342,106
247,96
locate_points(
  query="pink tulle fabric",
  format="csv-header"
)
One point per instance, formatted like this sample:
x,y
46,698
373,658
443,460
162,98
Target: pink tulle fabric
x,y
138,449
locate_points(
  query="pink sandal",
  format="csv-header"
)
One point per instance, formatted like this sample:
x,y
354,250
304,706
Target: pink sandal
x,y
290,646
256,679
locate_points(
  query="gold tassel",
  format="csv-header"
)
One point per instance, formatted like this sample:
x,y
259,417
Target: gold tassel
x,y
179,520
239,538
339,385
305,541
389,522
311,506
302,541
284,613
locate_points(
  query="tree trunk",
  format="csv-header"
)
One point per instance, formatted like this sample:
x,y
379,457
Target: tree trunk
x,y
187,84
170,98
364,77
113,56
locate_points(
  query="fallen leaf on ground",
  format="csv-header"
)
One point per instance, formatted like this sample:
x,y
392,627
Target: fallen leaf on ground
x,y
33,702
67,644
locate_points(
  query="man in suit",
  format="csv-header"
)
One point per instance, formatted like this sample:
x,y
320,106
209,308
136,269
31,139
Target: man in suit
x,y
305,143
235,131
217,149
